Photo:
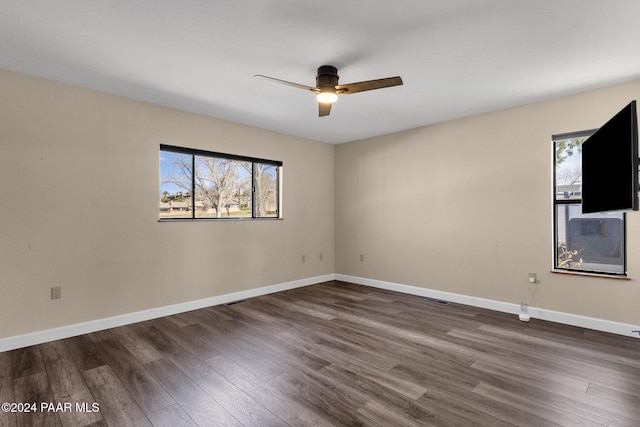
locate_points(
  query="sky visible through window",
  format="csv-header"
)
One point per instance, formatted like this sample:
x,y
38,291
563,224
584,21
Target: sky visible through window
x,y
569,170
169,169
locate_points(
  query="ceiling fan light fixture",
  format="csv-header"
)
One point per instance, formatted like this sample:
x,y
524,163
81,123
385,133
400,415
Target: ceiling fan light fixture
x,y
327,88
327,96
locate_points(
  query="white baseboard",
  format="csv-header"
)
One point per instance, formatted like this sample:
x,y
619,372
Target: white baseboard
x,y
62,332
534,313
39,337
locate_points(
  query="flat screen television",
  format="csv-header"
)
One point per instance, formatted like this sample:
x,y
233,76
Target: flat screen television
x,y
610,165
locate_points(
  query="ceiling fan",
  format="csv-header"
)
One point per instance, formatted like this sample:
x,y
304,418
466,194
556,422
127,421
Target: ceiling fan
x,y
327,88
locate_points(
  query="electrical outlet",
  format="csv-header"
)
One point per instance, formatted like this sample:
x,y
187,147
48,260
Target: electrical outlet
x,y
303,259
56,292
321,256
361,257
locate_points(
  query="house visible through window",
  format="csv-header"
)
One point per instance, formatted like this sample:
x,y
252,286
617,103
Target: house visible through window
x,y
593,243
196,184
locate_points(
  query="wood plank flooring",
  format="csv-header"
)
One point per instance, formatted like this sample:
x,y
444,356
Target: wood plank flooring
x,y
332,354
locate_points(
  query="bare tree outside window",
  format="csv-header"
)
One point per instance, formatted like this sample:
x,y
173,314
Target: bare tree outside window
x,y
223,186
266,179
220,184
176,184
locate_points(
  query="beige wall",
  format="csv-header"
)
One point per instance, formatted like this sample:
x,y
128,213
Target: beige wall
x,y
462,206
79,207
465,207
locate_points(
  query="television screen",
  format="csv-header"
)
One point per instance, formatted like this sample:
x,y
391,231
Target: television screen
x,y
610,165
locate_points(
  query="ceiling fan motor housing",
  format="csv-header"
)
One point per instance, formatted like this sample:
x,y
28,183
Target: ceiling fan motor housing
x,y
327,77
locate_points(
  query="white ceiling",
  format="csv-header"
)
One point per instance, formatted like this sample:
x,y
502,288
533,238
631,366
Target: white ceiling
x,y
456,57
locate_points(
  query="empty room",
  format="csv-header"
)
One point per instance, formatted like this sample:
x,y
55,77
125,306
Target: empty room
x,y
200,228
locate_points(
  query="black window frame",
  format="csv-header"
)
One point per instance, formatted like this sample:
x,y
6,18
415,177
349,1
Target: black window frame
x,y
573,200
253,160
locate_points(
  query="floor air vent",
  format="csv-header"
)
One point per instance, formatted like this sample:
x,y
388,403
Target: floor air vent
x,y
436,301
235,302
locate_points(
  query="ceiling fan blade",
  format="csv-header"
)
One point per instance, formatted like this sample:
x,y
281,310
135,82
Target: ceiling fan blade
x,y
299,86
324,109
350,88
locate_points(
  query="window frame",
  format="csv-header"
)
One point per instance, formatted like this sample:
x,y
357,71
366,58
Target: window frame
x,y
193,152
557,202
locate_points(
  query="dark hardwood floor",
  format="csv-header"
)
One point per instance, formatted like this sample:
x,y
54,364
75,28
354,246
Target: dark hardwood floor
x,y
332,354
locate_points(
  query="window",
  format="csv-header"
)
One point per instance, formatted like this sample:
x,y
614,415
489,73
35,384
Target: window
x,y
593,243
196,184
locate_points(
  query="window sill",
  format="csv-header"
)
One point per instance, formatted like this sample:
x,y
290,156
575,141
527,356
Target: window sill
x,y
584,273
217,219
